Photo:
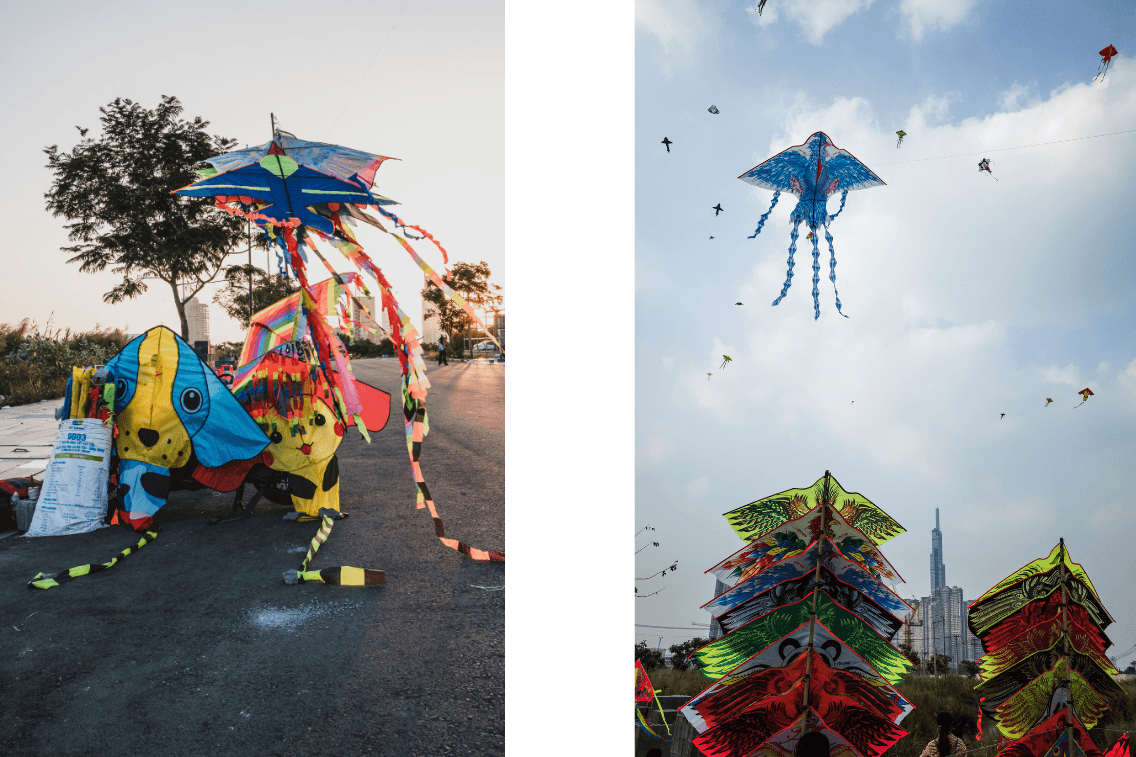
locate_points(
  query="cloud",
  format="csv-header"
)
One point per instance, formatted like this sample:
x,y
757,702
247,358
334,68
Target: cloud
x,y
680,26
816,17
926,15
697,487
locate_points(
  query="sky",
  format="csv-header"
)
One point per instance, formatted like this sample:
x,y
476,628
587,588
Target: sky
x,y
968,296
422,82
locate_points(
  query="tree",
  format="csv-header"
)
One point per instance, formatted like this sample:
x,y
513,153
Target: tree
x,y
911,655
117,191
939,663
968,668
651,658
267,288
680,654
472,283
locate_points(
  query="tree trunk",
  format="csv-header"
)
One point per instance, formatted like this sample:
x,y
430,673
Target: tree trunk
x,y
181,312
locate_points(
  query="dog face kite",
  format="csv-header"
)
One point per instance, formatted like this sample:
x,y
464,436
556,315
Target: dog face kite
x,y
171,410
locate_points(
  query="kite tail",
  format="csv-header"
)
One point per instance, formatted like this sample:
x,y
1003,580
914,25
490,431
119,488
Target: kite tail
x,y
832,269
792,250
816,276
762,221
843,199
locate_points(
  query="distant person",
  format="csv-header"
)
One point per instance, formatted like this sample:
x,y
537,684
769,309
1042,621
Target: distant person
x,y
442,350
947,743
813,744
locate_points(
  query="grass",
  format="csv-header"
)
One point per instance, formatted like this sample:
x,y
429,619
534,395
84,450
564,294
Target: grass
x,y
952,693
35,364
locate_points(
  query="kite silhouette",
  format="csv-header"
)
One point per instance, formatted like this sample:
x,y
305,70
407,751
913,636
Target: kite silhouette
x,y
717,208
812,171
708,375
984,165
1048,400
725,359
713,110
901,134
1106,57
668,143
1085,394
1003,416
737,303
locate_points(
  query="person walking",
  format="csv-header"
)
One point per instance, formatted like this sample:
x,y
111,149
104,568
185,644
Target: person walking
x,y
442,350
947,744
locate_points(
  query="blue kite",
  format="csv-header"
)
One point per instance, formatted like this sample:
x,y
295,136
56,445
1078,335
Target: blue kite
x,y
812,171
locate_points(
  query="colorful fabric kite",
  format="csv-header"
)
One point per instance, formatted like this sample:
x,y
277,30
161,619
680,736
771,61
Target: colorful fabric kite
x,y
812,171
1046,677
645,692
807,627
725,359
901,134
172,415
1106,58
301,193
985,165
1085,394
1048,401
713,110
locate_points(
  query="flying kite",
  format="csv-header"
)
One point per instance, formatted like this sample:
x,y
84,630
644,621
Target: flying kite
x,y
737,303
708,375
711,236
717,208
1085,394
725,359
668,143
760,6
1106,58
812,171
901,134
1048,400
985,165
713,110
1003,415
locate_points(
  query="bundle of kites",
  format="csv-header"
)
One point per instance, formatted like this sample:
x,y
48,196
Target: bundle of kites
x,y
808,625
293,396
1045,677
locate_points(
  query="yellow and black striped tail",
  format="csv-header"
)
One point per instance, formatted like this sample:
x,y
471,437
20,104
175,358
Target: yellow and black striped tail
x,y
42,581
341,576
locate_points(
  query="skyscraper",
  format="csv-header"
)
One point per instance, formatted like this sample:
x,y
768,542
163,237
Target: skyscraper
x,y
938,569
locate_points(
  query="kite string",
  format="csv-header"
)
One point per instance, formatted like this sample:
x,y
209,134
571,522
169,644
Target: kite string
x,y
1003,149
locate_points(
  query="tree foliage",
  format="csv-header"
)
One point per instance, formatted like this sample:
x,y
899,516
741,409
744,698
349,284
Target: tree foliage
x,y
681,659
267,288
117,192
472,283
652,659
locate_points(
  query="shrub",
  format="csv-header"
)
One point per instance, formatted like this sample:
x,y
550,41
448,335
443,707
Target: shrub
x,y
35,365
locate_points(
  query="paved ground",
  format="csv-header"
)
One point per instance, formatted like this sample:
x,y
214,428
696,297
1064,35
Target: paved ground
x,y
194,645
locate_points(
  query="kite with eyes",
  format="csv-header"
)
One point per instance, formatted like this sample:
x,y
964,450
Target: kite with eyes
x,y
173,417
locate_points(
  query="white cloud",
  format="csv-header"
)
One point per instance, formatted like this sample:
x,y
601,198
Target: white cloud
x,y
1011,98
679,25
816,17
697,487
926,15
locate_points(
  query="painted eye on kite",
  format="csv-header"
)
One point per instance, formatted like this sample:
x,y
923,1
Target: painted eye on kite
x,y
276,437
191,400
320,420
120,387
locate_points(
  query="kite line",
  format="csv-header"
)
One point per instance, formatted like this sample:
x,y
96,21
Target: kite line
x,y
1003,149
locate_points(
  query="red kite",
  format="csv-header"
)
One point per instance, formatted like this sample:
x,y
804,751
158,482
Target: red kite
x,y
1106,57
1085,394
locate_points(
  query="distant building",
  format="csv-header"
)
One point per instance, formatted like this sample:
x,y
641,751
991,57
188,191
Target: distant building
x,y
357,314
719,587
944,614
197,313
431,326
938,569
499,323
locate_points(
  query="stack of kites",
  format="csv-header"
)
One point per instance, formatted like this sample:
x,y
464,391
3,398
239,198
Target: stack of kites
x,y
303,194
808,625
1045,677
645,692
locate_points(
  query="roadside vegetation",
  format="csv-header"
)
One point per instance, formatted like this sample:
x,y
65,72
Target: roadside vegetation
x,y
35,364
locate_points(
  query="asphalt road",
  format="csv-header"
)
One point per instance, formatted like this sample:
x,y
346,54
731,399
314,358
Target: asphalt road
x,y
193,645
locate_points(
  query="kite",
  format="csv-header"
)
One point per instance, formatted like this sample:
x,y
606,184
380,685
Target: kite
x,y
984,165
1003,415
725,359
173,416
713,110
806,628
668,143
1048,400
1085,394
717,208
812,171
645,692
711,236
1106,58
708,375
901,134
1045,674
760,6
737,303
302,193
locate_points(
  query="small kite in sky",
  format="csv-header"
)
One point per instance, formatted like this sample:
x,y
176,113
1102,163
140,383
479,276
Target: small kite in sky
x,y
1048,400
668,143
717,208
901,134
1085,394
708,375
985,165
1106,57
711,236
713,110
725,359
1003,415
812,171
737,303
760,6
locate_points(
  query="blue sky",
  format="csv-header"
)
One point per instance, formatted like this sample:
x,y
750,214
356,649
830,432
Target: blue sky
x,y
967,297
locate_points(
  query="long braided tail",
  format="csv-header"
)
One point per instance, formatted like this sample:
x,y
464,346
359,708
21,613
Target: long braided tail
x,y
792,251
761,223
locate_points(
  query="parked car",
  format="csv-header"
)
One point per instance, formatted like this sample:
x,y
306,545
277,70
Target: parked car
x,y
486,346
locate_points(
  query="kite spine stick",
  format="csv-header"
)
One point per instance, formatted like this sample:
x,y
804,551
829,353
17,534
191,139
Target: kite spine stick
x,y
816,593
792,250
761,222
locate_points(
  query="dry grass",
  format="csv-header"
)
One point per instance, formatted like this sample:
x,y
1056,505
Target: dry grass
x,y
35,364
